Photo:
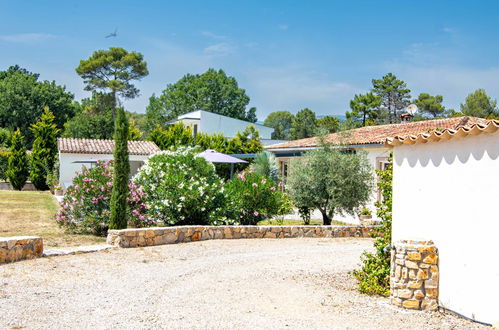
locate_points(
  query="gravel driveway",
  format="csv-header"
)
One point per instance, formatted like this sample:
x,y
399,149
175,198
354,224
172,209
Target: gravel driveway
x,y
219,284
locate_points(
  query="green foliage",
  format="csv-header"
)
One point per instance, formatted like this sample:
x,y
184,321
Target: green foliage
x,y
211,91
331,181
53,177
86,206
44,150
245,142
172,136
134,134
5,137
304,212
4,162
281,122
118,217
430,105
374,275
364,108
113,70
365,211
265,164
17,168
253,197
479,104
304,124
395,96
329,124
182,189
216,142
23,98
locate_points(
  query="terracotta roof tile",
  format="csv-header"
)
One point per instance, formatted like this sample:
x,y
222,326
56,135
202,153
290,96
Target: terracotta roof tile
x,y
96,146
379,134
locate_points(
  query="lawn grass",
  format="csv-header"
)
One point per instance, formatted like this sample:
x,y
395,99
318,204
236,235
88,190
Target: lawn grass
x,y
32,213
314,222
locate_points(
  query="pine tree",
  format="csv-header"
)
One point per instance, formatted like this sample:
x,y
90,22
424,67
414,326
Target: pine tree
x,y
44,149
17,170
118,218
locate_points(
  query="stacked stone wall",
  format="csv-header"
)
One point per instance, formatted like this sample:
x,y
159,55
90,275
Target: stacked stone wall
x,y
20,248
171,235
414,275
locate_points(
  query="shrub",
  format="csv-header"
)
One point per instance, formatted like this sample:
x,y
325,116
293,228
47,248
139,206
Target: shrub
x,y
86,205
266,164
18,167
4,137
254,197
4,161
182,188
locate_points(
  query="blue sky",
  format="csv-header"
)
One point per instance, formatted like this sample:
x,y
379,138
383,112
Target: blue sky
x,y
286,54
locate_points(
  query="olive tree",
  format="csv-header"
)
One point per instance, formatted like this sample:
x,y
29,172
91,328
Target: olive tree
x,y
331,180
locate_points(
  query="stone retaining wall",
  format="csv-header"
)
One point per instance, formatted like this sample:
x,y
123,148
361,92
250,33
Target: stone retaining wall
x,y
414,275
19,248
171,235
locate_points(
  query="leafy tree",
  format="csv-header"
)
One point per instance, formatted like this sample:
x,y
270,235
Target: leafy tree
x,y
17,168
113,70
329,124
374,275
23,98
118,217
265,164
5,137
44,150
211,91
364,108
304,124
394,96
134,134
172,136
429,104
479,104
215,141
331,181
281,122
245,142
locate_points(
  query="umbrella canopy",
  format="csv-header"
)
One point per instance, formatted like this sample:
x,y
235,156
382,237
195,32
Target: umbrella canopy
x,y
217,157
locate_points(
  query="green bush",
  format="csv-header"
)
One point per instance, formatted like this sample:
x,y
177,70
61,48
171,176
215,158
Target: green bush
x,y
18,166
182,188
86,206
5,138
4,162
266,164
253,197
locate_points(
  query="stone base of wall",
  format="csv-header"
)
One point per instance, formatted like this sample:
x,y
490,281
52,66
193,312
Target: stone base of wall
x,y
20,248
414,275
171,235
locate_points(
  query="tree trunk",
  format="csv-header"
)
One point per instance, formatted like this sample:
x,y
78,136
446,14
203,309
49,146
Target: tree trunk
x,y
326,220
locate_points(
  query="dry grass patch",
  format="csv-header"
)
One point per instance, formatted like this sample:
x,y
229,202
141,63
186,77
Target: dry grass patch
x,y
33,213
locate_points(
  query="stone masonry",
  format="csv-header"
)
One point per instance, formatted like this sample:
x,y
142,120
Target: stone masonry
x,y
19,248
170,235
414,275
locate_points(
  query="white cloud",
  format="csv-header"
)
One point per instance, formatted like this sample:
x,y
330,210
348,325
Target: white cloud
x,y
213,35
283,27
26,38
448,30
220,49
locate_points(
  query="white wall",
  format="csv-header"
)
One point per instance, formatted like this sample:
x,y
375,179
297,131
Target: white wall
x,y
68,169
448,192
211,123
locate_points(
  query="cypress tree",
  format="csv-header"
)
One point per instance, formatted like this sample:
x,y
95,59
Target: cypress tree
x,y
118,218
17,169
44,149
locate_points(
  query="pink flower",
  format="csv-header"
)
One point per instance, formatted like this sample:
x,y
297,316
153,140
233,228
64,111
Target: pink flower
x,y
264,181
254,185
272,188
281,184
256,213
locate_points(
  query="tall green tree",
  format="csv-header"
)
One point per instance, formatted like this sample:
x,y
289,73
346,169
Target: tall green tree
x,y
113,71
211,91
304,124
395,96
331,181
480,104
18,167
118,218
430,105
365,108
328,124
23,98
281,122
172,136
44,150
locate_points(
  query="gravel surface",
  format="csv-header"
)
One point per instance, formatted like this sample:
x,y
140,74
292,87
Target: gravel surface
x,y
218,284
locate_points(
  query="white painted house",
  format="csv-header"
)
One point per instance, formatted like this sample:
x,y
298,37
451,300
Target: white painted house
x,y
370,139
446,189
210,123
76,153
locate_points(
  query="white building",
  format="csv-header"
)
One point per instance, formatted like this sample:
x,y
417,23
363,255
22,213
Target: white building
x,y
369,139
210,123
76,153
446,189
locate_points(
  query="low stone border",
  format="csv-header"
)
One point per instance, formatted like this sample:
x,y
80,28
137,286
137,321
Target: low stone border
x,y
19,248
170,235
76,250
